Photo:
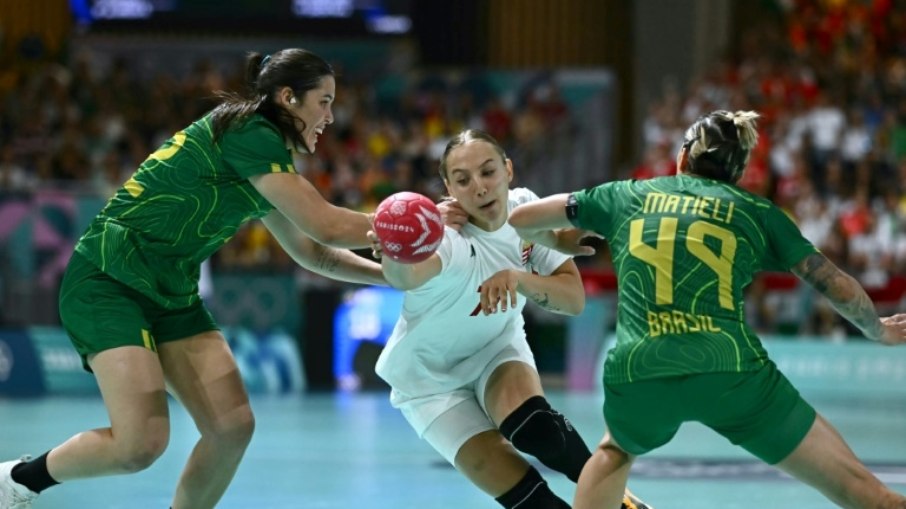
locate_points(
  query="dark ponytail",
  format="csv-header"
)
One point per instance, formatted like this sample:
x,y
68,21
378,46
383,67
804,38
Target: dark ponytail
x,y
299,69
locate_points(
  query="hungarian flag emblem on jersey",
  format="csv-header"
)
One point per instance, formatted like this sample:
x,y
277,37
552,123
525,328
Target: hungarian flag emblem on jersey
x,y
526,251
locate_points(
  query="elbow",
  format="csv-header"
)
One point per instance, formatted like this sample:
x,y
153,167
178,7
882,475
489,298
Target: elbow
x,y
517,219
576,305
402,282
404,286
568,305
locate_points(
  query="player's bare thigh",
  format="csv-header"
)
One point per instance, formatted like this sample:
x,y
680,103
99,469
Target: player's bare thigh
x,y
508,387
202,373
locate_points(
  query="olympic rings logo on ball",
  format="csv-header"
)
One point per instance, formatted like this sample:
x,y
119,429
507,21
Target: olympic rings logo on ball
x,y
409,227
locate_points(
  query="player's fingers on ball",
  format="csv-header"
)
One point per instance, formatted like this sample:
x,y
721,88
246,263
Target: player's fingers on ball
x,y
513,293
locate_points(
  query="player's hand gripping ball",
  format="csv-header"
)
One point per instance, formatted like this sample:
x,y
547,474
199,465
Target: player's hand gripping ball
x,y
408,226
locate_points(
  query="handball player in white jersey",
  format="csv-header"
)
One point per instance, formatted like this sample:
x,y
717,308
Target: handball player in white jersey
x,y
458,362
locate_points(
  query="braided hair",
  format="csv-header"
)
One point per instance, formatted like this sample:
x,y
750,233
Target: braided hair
x,y
718,144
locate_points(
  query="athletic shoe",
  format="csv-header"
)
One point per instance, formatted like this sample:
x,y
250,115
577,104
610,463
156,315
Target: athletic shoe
x,y
631,501
12,494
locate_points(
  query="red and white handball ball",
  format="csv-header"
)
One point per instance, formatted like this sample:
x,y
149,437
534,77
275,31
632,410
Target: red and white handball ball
x,y
408,226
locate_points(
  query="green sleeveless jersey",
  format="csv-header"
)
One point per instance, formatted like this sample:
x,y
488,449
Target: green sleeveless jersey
x,y
181,205
684,249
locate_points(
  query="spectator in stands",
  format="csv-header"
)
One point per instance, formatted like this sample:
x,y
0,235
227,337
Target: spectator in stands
x,y
13,176
130,299
688,246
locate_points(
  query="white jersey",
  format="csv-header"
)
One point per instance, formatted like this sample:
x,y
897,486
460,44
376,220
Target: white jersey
x,y
442,341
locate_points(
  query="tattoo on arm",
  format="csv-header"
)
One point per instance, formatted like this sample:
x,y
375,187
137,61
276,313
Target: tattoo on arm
x,y
817,271
328,259
543,300
845,293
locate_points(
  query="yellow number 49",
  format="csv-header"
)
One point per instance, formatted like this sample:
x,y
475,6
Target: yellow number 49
x,y
661,255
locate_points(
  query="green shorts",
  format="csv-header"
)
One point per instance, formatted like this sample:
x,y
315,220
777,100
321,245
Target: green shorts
x,y
99,313
760,411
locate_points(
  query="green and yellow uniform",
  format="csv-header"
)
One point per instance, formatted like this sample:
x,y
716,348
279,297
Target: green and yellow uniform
x,y
684,249
147,245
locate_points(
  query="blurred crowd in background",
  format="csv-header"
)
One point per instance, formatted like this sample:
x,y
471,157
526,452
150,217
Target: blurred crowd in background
x,y
830,82
829,79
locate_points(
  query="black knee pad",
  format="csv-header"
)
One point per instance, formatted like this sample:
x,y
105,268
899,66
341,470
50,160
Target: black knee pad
x,y
537,429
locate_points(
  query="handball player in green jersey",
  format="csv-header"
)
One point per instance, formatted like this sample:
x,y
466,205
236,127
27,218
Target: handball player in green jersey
x,y
685,247
129,298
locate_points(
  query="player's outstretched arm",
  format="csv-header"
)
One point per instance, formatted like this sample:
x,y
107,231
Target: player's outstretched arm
x,y
560,292
544,222
850,300
409,276
405,276
339,264
321,220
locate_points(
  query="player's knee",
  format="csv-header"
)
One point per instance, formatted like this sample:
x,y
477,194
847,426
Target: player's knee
x,y
141,454
614,454
534,428
236,430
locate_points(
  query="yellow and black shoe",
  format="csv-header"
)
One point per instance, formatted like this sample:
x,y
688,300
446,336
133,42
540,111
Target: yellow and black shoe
x,y
630,501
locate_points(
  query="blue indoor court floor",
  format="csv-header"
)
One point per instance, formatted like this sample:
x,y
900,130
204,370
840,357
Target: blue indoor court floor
x,y
355,451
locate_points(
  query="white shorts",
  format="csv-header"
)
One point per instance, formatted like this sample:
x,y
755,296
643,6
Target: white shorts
x,y
448,420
